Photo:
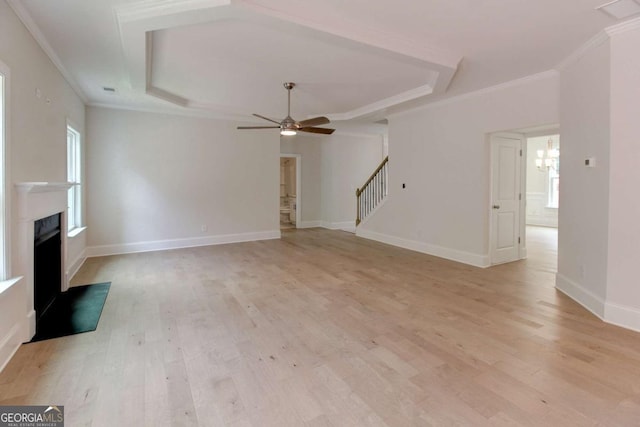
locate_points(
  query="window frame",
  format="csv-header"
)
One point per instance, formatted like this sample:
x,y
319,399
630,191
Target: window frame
x,y
5,237
74,176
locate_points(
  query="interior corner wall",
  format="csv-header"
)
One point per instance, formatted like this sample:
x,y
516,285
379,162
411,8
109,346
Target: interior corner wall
x,y
347,162
160,181
441,153
332,168
36,144
623,292
584,215
310,150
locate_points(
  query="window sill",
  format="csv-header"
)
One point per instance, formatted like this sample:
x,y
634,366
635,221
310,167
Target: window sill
x,y
76,231
6,284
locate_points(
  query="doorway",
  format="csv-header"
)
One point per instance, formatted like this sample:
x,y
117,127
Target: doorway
x,y
525,183
542,199
289,196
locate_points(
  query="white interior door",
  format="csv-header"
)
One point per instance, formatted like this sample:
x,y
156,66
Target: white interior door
x,y
506,159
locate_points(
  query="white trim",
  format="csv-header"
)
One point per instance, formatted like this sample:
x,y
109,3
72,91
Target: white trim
x,y
12,317
161,245
145,10
309,224
76,231
349,226
582,296
75,265
462,97
5,189
383,104
9,345
623,27
24,16
425,52
595,41
622,315
574,57
5,285
469,258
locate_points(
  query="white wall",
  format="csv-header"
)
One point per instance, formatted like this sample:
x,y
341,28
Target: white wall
x,y
36,148
623,292
347,162
154,181
584,213
537,191
441,153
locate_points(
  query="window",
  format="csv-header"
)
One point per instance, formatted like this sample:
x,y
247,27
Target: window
x,y
74,175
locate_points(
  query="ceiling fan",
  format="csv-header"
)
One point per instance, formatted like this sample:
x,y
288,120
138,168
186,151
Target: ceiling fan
x,y
288,126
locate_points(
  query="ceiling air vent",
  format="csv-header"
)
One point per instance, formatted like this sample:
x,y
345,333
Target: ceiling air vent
x,y
109,89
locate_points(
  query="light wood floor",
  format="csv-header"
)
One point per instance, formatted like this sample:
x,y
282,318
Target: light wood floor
x,y
322,328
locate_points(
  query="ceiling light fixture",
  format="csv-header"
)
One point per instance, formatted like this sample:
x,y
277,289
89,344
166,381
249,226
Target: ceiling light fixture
x,y
288,132
620,9
548,157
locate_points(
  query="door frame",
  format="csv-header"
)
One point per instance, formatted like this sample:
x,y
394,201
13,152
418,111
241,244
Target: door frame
x,y
298,158
522,246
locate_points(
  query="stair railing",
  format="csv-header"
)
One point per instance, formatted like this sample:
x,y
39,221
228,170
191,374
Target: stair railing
x,y
372,192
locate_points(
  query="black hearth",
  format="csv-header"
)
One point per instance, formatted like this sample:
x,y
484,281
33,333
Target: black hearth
x,y
47,263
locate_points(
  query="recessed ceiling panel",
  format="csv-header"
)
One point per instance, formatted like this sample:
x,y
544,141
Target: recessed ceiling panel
x,y
241,66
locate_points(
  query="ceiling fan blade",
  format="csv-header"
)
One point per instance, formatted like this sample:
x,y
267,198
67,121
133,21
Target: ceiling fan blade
x,y
316,121
323,131
266,118
258,127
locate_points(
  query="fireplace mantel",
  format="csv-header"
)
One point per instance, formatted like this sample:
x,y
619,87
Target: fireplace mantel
x,y
38,200
42,187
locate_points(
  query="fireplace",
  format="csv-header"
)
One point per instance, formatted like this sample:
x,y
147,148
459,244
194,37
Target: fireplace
x,y
47,263
43,203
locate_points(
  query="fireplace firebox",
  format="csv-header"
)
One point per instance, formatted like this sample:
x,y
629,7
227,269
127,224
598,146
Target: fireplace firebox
x,y
47,263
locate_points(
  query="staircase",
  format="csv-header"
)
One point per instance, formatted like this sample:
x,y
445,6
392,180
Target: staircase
x,y
373,192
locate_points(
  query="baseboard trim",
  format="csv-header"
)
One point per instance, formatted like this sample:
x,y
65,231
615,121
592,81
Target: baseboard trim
x,y
622,315
582,296
468,258
309,224
9,345
343,225
162,245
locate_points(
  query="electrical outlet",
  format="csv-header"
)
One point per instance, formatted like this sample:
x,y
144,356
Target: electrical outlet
x,y
203,228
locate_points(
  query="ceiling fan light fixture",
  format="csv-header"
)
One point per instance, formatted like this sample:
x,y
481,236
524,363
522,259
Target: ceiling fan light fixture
x,y
288,132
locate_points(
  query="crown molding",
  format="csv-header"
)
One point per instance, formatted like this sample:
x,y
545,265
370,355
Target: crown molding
x,y
36,33
151,9
595,41
384,103
590,44
623,27
474,94
367,36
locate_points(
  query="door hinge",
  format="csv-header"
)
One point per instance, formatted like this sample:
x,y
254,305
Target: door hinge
x,y
521,153
518,240
519,196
